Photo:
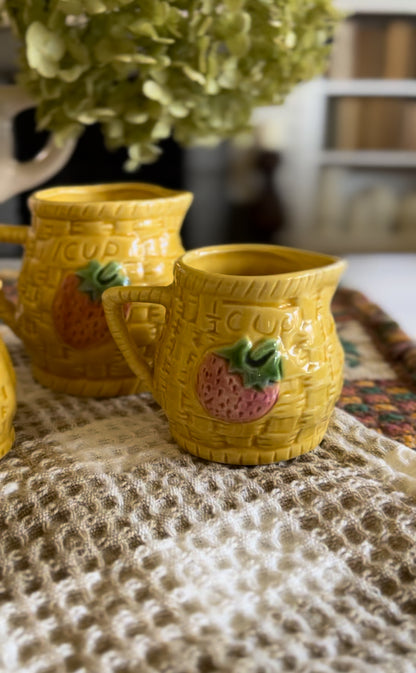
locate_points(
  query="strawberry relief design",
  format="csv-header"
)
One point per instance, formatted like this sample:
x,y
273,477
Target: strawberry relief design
x,y
240,383
77,310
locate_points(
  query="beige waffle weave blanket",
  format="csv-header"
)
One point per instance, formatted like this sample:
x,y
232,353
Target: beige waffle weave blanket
x,y
120,553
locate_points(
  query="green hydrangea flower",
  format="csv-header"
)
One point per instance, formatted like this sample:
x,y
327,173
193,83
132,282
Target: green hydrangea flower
x,y
194,69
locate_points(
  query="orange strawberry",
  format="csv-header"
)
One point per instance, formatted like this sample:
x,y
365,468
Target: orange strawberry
x,y
77,310
240,383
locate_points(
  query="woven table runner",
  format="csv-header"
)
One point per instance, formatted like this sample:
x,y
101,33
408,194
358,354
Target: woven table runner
x,y
121,553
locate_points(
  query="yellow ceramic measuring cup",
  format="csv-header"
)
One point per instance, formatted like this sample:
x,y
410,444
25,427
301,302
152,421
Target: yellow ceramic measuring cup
x,y
248,366
83,239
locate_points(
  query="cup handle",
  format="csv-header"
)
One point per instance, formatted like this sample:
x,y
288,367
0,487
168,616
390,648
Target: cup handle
x,y
11,233
14,233
113,301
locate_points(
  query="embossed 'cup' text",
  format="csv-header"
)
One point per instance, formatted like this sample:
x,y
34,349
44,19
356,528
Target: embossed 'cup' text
x,y
77,248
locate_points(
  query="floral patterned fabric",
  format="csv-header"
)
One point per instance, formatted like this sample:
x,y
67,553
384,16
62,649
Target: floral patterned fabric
x,y
380,370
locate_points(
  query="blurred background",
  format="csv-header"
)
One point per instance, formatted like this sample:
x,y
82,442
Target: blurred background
x,y
333,169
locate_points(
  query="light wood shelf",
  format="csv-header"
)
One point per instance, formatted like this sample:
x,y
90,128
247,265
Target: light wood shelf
x,y
399,88
368,158
340,242
377,6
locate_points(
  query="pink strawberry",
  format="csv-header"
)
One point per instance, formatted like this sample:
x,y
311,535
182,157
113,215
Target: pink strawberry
x,y
240,383
77,310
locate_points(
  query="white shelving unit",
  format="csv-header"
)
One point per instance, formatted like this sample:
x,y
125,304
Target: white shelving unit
x,y
306,157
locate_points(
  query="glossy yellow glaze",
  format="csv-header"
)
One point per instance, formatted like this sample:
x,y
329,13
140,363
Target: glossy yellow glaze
x,y
220,295
7,400
135,224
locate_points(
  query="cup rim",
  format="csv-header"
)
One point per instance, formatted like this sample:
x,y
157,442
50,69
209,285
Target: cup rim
x,y
155,199
329,262
153,192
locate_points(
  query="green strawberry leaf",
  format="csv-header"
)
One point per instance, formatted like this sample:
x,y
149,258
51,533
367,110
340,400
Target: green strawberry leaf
x,y
259,365
95,278
236,354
